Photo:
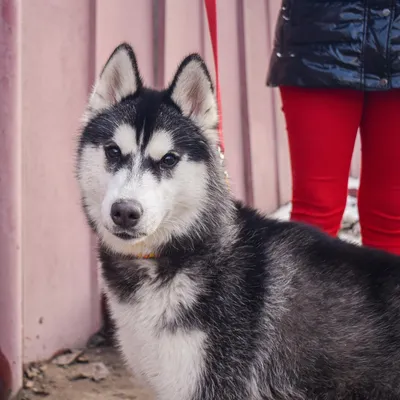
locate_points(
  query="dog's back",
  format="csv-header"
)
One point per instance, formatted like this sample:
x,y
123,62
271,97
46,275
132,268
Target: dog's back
x,y
330,318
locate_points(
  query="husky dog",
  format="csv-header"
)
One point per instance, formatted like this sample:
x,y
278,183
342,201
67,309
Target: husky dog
x,y
212,300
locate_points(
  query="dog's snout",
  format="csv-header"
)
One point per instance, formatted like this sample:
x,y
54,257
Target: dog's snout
x,y
126,213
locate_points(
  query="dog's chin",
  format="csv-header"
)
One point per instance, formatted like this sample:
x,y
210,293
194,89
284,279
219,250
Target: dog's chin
x,y
123,237
125,241
120,243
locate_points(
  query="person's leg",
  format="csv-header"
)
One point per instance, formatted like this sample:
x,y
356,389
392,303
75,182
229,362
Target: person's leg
x,y
379,193
322,126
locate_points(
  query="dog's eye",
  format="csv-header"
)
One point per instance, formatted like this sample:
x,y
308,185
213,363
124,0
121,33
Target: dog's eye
x,y
113,153
169,160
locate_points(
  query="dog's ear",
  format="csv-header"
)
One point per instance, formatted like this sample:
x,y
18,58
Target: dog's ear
x,y
192,91
119,78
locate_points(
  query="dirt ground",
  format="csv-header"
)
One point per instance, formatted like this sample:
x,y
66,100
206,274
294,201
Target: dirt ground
x,y
95,373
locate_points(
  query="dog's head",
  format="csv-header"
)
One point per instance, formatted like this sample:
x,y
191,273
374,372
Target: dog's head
x,y
147,158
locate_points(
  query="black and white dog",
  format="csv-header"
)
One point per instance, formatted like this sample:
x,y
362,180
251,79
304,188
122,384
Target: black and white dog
x,y
213,301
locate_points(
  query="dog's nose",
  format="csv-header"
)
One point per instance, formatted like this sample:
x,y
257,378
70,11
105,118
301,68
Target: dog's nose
x,y
126,213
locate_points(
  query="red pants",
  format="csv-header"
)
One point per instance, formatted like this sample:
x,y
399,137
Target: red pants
x,y
322,126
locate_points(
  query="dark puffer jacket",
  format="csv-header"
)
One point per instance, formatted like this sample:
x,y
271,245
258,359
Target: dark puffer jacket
x,y
332,43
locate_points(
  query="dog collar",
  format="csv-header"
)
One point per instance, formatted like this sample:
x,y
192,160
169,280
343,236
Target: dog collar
x,y
145,256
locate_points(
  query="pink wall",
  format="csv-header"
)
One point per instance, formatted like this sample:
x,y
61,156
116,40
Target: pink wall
x,y
50,53
129,21
60,300
10,190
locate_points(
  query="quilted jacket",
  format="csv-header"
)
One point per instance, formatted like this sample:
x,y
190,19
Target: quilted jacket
x,y
332,43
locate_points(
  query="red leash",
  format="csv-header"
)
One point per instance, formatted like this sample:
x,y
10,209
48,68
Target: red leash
x,y
211,8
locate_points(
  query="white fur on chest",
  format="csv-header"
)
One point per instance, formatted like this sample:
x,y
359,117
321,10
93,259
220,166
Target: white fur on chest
x,y
171,363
